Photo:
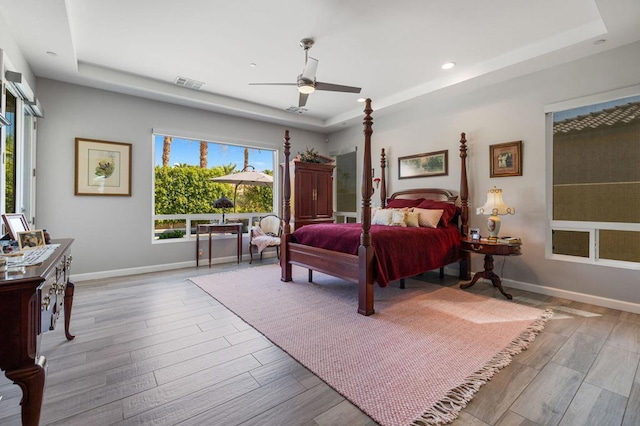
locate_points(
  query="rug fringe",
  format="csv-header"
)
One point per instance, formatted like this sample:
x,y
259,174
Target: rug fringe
x,y
447,409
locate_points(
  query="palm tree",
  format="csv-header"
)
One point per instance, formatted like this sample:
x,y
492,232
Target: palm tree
x,y
246,159
204,148
166,151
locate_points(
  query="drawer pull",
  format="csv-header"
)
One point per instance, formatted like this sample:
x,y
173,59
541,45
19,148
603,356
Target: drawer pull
x,y
476,248
46,302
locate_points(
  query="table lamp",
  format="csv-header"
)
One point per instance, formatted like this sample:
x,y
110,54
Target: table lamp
x,y
223,203
494,207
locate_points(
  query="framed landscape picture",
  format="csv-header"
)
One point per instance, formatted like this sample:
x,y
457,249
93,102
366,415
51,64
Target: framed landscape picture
x,y
102,168
424,165
506,159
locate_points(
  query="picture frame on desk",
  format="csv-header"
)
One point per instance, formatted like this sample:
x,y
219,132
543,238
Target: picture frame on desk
x,y
102,168
15,223
31,239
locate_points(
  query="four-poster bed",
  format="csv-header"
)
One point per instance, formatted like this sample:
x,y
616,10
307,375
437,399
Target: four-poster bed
x,y
366,259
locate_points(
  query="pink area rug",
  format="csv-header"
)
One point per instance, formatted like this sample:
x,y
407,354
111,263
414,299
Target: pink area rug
x,y
418,360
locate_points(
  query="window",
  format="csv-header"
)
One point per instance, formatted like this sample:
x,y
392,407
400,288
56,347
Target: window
x,y
184,192
595,182
10,163
346,186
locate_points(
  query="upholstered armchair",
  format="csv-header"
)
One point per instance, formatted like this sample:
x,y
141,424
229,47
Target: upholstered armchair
x,y
266,234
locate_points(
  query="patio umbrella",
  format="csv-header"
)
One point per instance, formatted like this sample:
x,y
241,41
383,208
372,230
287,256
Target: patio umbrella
x,y
247,177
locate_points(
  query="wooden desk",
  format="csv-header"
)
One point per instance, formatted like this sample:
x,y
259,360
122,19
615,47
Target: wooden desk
x,y
489,249
212,228
31,300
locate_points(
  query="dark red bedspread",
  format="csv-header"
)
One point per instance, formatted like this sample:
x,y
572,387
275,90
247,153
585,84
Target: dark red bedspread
x,y
399,252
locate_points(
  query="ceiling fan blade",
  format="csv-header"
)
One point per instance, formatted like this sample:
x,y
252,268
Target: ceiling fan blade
x,y
303,99
337,87
310,69
272,84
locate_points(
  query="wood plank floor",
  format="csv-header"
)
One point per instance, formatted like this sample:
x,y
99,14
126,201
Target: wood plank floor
x,y
155,349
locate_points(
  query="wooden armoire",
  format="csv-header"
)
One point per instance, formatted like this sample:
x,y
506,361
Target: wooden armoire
x,y
312,193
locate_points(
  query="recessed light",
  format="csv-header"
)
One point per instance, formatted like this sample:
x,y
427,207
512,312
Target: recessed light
x,y
253,65
597,42
448,65
51,53
361,100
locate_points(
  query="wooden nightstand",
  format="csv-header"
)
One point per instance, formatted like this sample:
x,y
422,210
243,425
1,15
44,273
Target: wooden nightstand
x,y
489,249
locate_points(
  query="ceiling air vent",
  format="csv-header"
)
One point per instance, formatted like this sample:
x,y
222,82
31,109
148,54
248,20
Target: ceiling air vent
x,y
299,110
189,83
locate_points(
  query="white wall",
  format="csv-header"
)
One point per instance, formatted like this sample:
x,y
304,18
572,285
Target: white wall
x,y
500,113
113,234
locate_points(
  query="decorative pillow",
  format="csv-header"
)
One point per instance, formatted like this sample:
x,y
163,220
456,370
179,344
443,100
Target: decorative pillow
x,y
399,203
449,210
399,218
382,217
413,219
428,218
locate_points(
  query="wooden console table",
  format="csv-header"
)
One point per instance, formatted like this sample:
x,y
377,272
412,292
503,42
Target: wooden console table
x,y
212,228
31,299
489,249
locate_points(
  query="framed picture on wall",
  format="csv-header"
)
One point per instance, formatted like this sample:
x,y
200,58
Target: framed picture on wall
x,y
102,168
506,159
424,165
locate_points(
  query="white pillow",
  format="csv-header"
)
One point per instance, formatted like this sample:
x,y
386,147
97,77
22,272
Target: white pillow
x,y
428,218
399,218
383,217
412,219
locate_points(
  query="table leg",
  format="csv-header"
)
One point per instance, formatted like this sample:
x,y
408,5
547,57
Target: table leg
x,y
197,246
239,244
209,247
68,304
31,381
488,274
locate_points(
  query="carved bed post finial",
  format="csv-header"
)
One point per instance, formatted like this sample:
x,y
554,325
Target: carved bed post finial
x,y
464,187
286,190
383,179
365,250
367,186
286,213
465,261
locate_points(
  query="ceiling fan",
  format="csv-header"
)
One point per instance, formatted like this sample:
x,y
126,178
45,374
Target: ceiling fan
x,y
306,82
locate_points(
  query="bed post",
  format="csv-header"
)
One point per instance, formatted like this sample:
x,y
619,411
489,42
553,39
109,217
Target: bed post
x,y
383,179
465,273
365,250
286,213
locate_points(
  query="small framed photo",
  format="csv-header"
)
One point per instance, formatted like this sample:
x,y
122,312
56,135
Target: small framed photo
x,y
30,239
14,223
474,233
506,159
424,165
102,168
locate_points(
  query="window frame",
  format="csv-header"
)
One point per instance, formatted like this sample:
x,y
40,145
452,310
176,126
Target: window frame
x,y
593,228
189,218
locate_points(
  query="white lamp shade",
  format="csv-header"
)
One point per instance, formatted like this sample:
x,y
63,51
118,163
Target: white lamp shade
x,y
495,205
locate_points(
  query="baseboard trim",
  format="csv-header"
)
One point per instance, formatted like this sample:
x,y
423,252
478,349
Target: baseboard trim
x,y
620,305
157,268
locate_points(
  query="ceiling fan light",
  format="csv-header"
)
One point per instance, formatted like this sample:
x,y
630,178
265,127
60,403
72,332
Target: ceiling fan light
x,y
306,89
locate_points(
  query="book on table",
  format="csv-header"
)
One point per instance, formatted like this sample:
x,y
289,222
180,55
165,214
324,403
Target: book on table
x,y
509,240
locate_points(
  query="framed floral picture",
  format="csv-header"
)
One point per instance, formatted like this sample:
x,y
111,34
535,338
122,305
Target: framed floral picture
x,y
102,168
506,159
424,165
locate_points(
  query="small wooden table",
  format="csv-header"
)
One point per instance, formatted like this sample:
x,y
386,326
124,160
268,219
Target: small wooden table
x,y
213,228
489,249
